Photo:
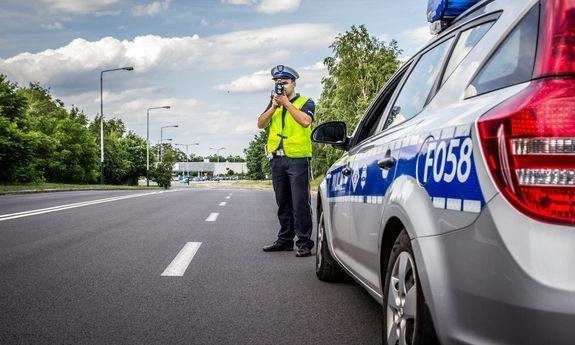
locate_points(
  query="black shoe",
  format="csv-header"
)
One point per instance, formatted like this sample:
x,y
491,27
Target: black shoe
x,y
278,247
302,252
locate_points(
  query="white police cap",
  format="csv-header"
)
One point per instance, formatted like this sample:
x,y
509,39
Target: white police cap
x,y
282,71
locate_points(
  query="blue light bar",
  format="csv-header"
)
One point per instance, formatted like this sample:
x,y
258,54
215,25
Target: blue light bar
x,y
445,10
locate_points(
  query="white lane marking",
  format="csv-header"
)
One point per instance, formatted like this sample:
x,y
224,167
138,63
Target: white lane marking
x,y
181,262
69,206
227,197
212,217
223,203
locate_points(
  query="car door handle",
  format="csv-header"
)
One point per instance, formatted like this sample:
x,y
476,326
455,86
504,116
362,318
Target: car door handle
x,y
346,171
386,163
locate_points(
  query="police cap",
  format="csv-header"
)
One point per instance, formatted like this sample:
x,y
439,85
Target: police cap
x,y
282,71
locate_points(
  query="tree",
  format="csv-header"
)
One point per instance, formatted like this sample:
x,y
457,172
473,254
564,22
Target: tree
x,y
136,155
16,146
180,155
62,146
236,159
360,66
195,158
40,140
162,173
256,159
124,155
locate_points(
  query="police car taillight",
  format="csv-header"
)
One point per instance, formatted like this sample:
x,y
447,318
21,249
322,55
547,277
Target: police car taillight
x,y
556,45
529,145
529,140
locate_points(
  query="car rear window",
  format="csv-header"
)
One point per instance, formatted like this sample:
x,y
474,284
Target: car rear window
x,y
512,63
467,40
413,96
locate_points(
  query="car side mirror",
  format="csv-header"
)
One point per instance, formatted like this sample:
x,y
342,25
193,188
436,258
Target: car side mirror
x,y
332,132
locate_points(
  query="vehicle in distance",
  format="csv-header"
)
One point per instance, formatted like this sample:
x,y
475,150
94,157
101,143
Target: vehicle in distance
x,y
453,202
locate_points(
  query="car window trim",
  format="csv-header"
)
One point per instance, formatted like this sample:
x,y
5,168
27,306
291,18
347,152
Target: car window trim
x,y
488,18
398,76
414,61
498,45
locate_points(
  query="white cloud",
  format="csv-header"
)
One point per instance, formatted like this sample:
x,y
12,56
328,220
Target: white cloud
x,y
77,7
268,6
275,6
258,81
53,26
151,9
239,2
146,53
385,37
309,81
418,36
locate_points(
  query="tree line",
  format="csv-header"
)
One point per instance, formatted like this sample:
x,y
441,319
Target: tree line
x,y
360,66
42,141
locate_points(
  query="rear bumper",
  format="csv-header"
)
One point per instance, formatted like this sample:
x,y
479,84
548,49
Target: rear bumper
x,y
506,279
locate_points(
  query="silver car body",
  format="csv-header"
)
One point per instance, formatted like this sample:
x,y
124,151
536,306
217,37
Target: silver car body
x,y
489,274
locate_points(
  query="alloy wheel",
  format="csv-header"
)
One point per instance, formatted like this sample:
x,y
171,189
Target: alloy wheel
x,y
402,301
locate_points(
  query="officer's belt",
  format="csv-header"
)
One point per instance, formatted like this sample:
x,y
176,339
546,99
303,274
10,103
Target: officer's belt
x,y
278,153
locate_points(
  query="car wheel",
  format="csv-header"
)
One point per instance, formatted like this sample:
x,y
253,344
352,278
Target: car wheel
x,y
326,268
406,319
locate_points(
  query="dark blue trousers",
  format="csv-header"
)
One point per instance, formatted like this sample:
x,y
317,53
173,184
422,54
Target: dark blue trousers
x,y
291,178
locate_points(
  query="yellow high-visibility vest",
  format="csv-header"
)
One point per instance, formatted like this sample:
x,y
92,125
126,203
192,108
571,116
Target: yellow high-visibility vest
x,y
295,138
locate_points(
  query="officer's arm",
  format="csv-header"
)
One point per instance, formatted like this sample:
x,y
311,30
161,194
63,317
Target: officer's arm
x,y
264,118
302,118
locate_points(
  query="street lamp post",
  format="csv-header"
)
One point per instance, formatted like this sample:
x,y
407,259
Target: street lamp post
x,y
186,145
160,145
218,149
161,137
148,142
129,68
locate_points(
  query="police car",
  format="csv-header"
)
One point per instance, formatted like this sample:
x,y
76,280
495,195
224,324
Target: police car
x,y
453,203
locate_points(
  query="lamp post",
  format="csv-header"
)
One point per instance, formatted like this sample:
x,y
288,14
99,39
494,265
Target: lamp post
x,y
129,68
148,142
161,137
218,149
186,145
160,145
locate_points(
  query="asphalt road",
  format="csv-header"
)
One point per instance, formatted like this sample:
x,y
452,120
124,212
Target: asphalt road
x,y
98,273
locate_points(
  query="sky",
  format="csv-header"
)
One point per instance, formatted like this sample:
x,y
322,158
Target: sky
x,y
209,60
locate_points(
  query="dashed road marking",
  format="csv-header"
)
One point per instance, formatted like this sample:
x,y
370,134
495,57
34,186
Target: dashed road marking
x,y
223,203
181,262
212,217
229,196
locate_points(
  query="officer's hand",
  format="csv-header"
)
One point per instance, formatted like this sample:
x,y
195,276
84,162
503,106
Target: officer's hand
x,y
274,102
281,99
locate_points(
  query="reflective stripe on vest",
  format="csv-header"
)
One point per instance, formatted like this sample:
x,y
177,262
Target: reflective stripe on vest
x,y
296,138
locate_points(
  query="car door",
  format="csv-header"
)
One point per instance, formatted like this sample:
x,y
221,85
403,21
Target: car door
x,y
346,177
337,185
374,161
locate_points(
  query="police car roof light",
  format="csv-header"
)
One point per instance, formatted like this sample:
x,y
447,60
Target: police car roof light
x,y
446,10
555,52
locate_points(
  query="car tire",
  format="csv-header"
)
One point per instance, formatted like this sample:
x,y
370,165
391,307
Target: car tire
x,y
326,268
406,318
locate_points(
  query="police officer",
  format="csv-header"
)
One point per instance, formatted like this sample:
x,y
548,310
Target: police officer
x,y
289,116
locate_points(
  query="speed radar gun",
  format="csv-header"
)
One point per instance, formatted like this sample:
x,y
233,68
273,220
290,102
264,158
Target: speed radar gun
x,y
279,89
